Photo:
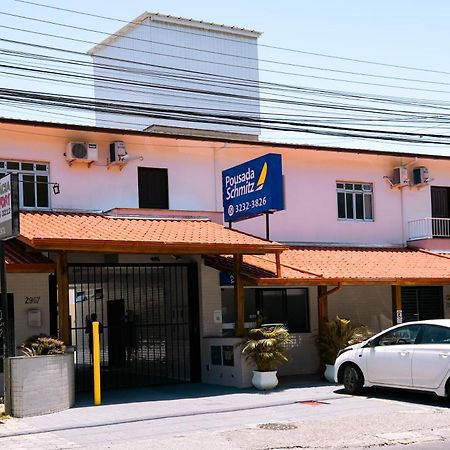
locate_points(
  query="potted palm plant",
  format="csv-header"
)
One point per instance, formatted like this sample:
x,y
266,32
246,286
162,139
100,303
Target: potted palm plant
x,y
266,348
334,336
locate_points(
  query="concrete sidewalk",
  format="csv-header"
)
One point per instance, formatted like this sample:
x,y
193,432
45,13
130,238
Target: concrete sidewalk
x,y
138,405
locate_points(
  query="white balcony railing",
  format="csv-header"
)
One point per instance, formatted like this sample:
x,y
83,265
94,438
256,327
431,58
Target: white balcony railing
x,y
428,227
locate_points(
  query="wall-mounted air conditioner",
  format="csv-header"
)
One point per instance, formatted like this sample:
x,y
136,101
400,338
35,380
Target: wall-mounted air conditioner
x,y
400,177
117,152
420,175
81,152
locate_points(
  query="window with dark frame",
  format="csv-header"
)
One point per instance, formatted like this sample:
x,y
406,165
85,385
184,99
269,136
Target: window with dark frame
x,y
153,188
33,182
422,303
289,306
354,201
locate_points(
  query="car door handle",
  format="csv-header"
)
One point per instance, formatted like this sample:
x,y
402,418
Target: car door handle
x,y
444,355
404,353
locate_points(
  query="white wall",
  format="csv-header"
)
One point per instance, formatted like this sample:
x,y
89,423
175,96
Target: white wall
x,y
163,44
210,301
24,285
363,305
302,351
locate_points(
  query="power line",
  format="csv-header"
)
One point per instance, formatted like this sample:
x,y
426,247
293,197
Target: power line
x,y
240,66
291,50
365,96
227,120
129,83
120,68
87,104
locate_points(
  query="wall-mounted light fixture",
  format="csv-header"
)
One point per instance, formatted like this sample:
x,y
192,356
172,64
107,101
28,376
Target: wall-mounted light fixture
x,y
55,188
55,185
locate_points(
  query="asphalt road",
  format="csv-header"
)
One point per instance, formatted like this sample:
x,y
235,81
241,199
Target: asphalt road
x,y
319,418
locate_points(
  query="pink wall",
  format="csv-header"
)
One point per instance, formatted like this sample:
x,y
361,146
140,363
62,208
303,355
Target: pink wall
x,y
195,182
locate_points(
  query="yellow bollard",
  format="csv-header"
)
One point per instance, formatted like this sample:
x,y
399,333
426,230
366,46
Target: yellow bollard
x,y
96,362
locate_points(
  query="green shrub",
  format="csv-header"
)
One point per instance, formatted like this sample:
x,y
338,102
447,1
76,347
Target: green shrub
x,y
266,347
42,345
336,335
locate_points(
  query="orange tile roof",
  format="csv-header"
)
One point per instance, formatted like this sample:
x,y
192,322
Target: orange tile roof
x,y
351,265
18,259
103,233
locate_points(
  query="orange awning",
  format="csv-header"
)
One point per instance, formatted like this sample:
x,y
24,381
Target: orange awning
x,y
346,265
19,259
104,233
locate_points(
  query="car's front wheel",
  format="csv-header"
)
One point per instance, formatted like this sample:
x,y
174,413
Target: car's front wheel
x,y
353,380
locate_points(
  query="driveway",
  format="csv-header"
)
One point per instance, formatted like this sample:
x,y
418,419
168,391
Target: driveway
x,y
311,415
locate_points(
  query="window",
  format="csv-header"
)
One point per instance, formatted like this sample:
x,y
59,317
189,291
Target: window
x,y
422,303
33,182
434,334
400,336
286,306
229,308
354,201
153,188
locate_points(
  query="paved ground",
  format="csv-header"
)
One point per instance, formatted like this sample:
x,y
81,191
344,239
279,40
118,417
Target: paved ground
x,y
302,416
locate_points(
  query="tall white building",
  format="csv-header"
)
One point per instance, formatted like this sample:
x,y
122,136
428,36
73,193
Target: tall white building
x,y
174,66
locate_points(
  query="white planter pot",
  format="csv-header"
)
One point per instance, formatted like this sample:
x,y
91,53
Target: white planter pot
x,y
329,373
264,380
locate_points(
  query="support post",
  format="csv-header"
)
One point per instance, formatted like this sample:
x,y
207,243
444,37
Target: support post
x,y
267,227
278,265
322,305
96,362
62,278
8,346
397,312
239,328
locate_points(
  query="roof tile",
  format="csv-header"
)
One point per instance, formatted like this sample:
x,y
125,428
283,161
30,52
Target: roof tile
x,y
41,229
347,264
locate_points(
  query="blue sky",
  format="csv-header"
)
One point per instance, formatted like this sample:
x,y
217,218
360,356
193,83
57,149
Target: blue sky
x,y
400,32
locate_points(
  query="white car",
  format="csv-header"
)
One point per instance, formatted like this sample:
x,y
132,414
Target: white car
x,y
413,355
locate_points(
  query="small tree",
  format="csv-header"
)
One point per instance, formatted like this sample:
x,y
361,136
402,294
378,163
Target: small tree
x,y
42,345
266,347
336,335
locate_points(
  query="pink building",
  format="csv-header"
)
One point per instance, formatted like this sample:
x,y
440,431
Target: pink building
x,y
143,243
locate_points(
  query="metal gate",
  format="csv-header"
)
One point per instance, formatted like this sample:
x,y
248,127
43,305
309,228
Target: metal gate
x,y
149,323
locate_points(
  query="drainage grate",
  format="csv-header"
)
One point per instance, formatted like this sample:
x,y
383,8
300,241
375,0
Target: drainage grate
x,y
312,403
277,426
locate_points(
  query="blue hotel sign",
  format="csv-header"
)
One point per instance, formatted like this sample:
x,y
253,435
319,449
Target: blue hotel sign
x,y
253,188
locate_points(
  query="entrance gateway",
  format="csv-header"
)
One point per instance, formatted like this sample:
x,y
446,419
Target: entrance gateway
x,y
149,318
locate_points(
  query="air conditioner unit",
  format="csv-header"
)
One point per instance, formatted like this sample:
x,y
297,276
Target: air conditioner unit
x,y
420,175
117,152
81,152
400,176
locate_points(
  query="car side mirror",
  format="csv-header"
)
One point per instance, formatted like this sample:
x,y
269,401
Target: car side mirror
x,y
370,343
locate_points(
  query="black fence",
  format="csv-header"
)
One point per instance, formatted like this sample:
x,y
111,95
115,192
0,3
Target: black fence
x,y
149,323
